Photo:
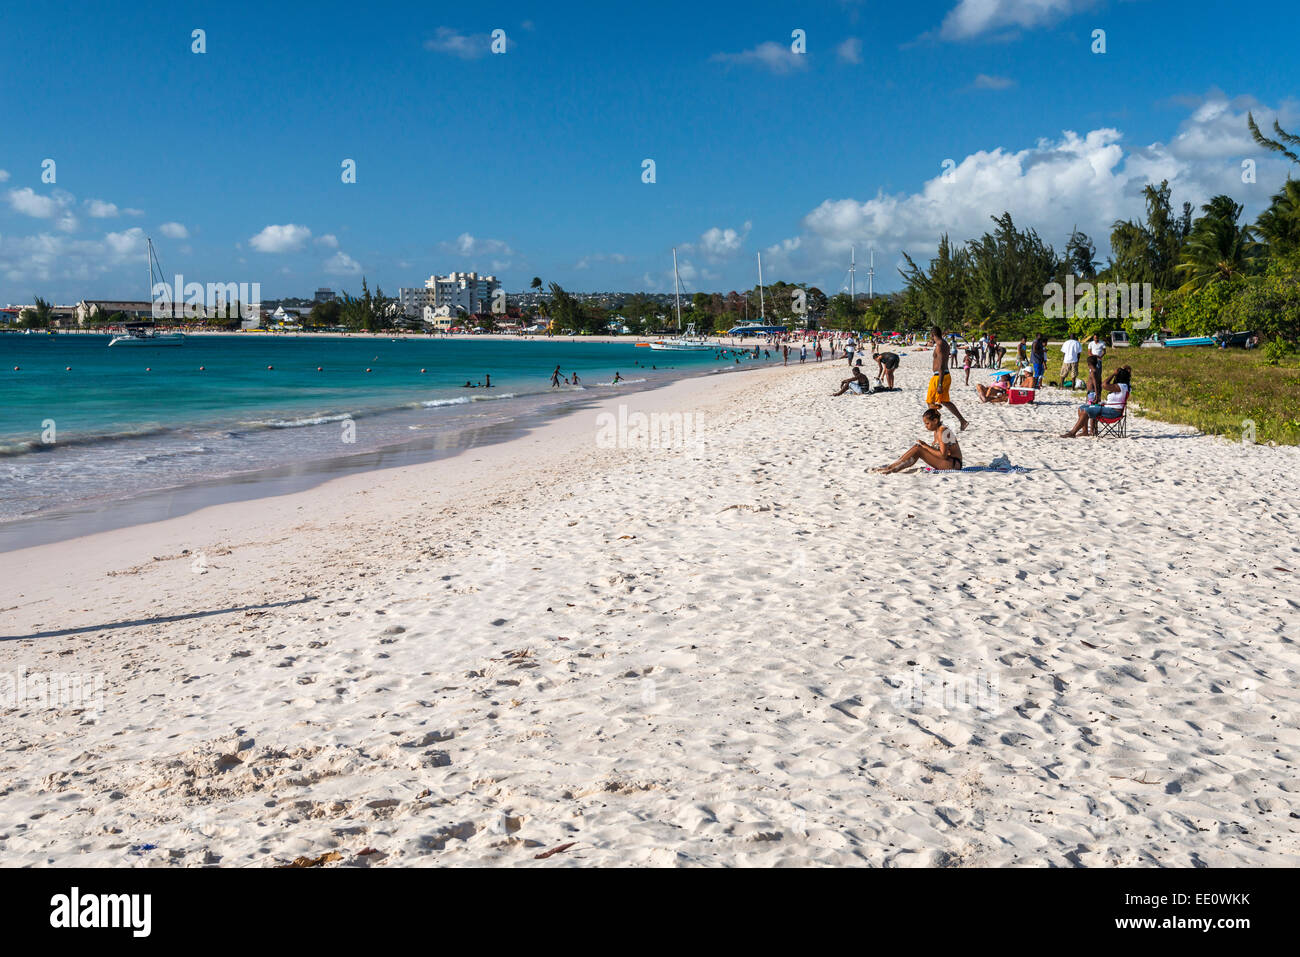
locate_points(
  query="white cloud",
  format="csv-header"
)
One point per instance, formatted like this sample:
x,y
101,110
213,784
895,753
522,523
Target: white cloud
x,y
129,242
30,203
100,209
4,175
57,206
1087,180
281,239
47,257
463,45
329,241
985,82
467,245
973,18
718,243
341,264
586,261
850,50
777,57
174,231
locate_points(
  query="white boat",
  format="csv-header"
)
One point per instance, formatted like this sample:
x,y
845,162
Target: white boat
x,y
146,333
689,341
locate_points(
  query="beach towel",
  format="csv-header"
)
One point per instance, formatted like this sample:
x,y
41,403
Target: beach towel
x,y
1001,463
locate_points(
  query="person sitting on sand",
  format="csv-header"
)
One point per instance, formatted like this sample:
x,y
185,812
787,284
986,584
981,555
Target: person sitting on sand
x,y
859,378
997,390
1089,413
943,453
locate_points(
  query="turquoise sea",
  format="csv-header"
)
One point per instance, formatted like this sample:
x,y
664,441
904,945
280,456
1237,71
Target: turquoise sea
x,y
83,423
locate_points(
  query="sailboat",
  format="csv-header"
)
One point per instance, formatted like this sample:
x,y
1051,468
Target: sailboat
x,y
146,333
690,341
760,328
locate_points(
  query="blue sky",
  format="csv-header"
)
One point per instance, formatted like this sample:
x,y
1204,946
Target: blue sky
x,y
530,162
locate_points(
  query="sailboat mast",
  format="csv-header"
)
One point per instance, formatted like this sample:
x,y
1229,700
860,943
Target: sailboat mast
x,y
677,291
762,311
871,277
853,274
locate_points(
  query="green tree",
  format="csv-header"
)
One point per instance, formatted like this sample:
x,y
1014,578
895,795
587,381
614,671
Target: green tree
x,y
1279,225
1219,248
1081,255
1151,251
940,291
1278,145
1007,271
39,316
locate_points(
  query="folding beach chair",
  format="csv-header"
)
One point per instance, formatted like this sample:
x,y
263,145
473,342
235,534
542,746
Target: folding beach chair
x,y
1114,424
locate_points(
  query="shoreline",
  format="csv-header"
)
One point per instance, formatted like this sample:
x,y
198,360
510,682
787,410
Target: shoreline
x,y
749,651
172,501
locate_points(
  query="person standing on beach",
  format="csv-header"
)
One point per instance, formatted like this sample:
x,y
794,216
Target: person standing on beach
x,y
1038,355
803,352
1096,350
849,348
1022,354
941,380
1071,349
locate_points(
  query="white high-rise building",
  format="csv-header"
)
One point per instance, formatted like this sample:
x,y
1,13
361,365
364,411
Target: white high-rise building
x,y
460,291
412,300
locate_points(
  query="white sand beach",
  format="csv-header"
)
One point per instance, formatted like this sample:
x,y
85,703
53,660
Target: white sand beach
x,y
746,651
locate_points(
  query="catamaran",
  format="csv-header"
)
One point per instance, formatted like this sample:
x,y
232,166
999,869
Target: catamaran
x,y
146,333
688,342
760,328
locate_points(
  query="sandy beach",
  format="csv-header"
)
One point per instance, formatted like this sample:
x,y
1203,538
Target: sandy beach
x,y
741,649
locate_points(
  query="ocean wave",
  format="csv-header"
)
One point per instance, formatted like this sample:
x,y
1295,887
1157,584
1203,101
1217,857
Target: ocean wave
x,y
13,447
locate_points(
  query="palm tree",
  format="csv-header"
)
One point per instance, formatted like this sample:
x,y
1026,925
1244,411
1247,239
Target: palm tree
x,y
1217,249
1278,145
536,283
1279,225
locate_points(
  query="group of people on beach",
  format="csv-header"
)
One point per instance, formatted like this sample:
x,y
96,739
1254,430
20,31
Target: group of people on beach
x,y
942,450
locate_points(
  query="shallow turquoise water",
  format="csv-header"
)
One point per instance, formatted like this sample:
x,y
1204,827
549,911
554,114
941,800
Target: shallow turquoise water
x,y
81,422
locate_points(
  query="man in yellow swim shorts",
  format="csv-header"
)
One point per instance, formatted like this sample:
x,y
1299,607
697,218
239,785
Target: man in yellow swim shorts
x,y
941,379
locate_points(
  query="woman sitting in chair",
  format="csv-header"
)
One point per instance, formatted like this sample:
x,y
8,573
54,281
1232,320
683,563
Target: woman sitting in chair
x,y
943,454
1109,410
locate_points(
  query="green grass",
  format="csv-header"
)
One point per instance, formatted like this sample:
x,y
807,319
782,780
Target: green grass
x,y
1214,390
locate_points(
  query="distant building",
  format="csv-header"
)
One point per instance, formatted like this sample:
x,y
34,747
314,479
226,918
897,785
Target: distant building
x,y
107,307
412,300
324,295
59,315
461,292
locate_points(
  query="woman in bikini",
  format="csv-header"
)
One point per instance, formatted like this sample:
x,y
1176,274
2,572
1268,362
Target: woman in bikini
x,y
943,453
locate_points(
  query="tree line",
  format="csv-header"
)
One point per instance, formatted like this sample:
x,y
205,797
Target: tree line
x,y
1209,270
